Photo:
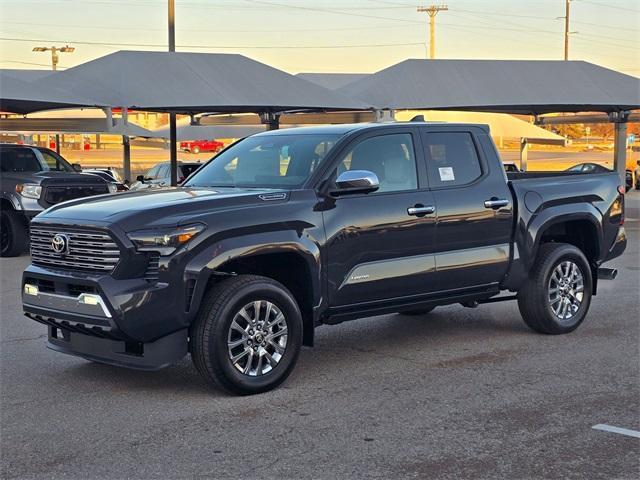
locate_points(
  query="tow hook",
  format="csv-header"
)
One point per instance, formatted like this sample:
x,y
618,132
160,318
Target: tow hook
x,y
607,273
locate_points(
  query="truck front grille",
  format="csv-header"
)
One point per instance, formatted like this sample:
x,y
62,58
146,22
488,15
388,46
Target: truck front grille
x,y
53,195
85,250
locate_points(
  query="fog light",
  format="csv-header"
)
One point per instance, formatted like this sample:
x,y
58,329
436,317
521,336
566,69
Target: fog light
x,y
30,289
88,299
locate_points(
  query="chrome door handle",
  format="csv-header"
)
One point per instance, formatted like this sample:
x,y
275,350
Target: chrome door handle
x,y
421,210
496,202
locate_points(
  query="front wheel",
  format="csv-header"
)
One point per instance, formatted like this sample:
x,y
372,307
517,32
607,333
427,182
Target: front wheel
x,y
556,297
195,150
14,236
247,335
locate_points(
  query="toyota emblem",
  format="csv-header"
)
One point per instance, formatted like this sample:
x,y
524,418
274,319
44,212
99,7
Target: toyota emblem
x,y
60,244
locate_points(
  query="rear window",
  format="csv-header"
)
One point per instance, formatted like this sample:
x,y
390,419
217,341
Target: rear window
x,y
19,160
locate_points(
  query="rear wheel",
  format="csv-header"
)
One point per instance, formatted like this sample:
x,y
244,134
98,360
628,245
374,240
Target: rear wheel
x,y
556,297
248,334
13,233
195,149
417,311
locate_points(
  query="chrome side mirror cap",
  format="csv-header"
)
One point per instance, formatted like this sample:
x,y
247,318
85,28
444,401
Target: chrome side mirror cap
x,y
356,181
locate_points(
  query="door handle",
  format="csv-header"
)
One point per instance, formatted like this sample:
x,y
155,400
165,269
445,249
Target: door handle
x,y
496,203
421,210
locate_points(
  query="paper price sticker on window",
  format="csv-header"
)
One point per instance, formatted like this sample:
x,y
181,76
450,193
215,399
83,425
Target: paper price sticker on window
x,y
446,174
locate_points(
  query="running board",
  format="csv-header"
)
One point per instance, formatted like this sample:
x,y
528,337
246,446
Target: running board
x,y
498,299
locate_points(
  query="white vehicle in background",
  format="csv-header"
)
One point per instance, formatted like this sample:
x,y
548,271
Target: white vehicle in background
x,y
160,175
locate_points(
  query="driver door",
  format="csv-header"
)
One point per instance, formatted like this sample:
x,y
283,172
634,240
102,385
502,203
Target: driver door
x,y
376,249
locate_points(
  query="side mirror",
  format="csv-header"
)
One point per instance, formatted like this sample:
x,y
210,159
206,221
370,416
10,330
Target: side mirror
x,y
356,181
77,167
140,178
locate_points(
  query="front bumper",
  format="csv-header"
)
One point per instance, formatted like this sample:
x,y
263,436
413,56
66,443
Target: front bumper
x,y
140,356
128,322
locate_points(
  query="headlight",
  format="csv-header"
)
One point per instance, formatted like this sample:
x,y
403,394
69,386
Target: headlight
x,y
29,190
164,241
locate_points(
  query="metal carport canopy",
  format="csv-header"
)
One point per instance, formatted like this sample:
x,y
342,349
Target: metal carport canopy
x,y
529,87
181,82
18,95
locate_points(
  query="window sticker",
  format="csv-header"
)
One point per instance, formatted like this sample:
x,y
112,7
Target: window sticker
x,y
446,174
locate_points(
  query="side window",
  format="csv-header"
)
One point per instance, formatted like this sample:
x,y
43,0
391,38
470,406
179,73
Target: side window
x,y
18,160
390,157
452,159
165,172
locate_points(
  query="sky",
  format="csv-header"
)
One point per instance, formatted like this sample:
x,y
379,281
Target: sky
x,y
359,36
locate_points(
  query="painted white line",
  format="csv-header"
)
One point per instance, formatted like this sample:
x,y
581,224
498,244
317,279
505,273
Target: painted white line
x,y
621,431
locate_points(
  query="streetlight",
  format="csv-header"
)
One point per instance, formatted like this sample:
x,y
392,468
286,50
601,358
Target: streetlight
x,y
54,53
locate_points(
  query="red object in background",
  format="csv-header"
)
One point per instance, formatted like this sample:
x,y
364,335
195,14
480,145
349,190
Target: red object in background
x,y
52,145
87,146
197,146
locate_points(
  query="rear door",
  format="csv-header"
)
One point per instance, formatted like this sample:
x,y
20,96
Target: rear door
x,y
474,207
378,250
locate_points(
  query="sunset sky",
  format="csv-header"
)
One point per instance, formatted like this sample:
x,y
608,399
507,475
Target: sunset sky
x,y
323,35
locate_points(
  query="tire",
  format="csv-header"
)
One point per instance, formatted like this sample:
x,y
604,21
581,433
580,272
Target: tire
x,y
212,330
14,237
417,312
548,306
195,150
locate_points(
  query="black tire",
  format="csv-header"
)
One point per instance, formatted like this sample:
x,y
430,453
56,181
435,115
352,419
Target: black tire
x,y
195,150
417,312
14,237
210,333
534,298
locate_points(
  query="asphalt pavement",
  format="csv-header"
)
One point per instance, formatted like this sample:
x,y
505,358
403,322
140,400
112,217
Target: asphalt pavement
x,y
460,393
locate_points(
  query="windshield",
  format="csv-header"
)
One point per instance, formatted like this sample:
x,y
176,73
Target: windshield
x,y
266,161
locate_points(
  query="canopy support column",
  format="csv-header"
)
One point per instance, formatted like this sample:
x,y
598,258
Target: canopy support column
x,y
173,149
271,120
620,143
126,158
524,154
126,148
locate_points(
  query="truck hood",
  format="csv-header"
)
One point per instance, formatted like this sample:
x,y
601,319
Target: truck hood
x,y
156,207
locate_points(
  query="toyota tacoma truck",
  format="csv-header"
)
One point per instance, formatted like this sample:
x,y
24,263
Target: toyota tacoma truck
x,y
288,230
31,180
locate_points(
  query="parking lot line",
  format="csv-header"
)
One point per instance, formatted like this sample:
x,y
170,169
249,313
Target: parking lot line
x,y
621,431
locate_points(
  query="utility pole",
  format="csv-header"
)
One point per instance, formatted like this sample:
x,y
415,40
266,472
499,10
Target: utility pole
x,y
54,53
566,29
54,66
432,11
173,146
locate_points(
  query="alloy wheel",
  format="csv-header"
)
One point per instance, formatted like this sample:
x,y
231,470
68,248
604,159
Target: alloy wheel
x,y
566,290
257,338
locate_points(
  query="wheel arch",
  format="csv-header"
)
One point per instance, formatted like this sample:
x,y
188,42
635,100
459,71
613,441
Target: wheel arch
x,y
294,264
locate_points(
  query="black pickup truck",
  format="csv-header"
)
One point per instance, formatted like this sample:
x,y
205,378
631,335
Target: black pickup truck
x,y
288,230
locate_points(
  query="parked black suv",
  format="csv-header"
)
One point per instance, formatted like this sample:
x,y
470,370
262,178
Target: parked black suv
x,y
31,180
287,230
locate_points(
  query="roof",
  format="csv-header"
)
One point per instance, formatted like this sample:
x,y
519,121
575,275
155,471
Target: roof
x,y
73,125
27,75
18,95
194,82
507,86
332,81
342,129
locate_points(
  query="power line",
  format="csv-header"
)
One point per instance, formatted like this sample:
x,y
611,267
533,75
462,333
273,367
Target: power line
x,y
164,45
611,6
